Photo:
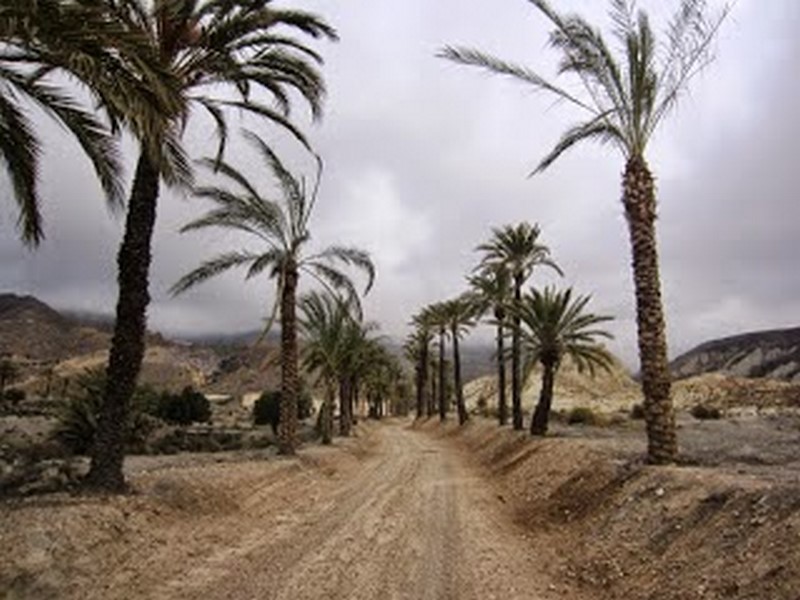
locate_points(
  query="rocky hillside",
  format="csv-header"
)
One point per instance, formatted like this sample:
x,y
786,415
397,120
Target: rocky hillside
x,y
773,354
50,348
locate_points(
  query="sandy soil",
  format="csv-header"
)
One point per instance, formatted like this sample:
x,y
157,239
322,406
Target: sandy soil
x,y
394,514
420,511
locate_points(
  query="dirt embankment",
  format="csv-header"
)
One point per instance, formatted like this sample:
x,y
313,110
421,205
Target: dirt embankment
x,y
622,530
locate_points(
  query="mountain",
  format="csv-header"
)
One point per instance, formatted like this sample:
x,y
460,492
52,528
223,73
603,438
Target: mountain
x,y
50,348
31,329
774,354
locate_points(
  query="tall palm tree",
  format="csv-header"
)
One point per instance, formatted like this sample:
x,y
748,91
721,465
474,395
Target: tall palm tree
x,y
460,313
355,356
416,349
282,227
323,322
222,51
381,374
517,250
555,325
437,317
628,96
97,47
491,291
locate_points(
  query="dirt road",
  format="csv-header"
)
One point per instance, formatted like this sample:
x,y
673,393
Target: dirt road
x,y
394,514
411,520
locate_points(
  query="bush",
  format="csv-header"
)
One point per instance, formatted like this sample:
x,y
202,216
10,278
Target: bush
x,y
78,419
581,415
637,412
703,412
182,440
14,395
188,407
267,409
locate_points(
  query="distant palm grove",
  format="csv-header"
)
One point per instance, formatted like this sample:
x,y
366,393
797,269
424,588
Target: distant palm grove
x,y
146,68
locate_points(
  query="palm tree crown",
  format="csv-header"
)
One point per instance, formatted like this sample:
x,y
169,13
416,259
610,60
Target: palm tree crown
x,y
516,248
554,325
281,226
100,49
627,97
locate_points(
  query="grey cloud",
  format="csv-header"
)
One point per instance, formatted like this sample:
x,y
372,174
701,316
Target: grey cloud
x,y
423,157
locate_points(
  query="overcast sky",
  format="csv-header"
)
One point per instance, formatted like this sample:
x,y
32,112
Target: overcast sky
x,y
423,157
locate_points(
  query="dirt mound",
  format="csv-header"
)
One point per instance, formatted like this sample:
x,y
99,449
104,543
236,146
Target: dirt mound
x,y
617,391
606,391
623,530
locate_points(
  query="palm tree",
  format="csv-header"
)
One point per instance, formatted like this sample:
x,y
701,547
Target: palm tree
x,y
323,323
437,318
627,98
283,229
491,290
381,374
355,357
517,250
555,325
96,46
416,350
460,313
221,51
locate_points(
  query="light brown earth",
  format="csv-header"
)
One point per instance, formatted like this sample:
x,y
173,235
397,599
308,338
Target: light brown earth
x,y
417,511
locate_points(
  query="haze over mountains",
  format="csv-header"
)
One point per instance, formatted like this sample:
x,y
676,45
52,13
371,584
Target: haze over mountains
x,y
30,328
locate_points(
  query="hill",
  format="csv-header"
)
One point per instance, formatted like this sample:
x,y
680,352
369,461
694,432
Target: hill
x,y
52,347
774,354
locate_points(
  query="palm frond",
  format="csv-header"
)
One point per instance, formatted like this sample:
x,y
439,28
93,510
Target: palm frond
x,y
351,257
20,151
211,268
476,58
599,129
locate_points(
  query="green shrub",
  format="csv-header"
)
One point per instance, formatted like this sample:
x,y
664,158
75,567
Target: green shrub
x,y
78,419
582,415
703,412
14,395
185,408
267,409
180,439
637,412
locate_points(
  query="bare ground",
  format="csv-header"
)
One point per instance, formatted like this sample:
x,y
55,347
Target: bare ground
x,y
419,511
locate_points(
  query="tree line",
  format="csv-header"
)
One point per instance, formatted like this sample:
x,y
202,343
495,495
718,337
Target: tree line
x,y
149,67
545,326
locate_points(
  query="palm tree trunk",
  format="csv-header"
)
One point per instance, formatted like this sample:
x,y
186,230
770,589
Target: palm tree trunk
x,y
442,399
354,399
462,409
516,384
502,405
345,398
287,427
640,211
420,380
327,414
345,406
128,341
541,416
434,396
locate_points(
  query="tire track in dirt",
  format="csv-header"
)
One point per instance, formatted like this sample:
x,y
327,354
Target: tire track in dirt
x,y
411,521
